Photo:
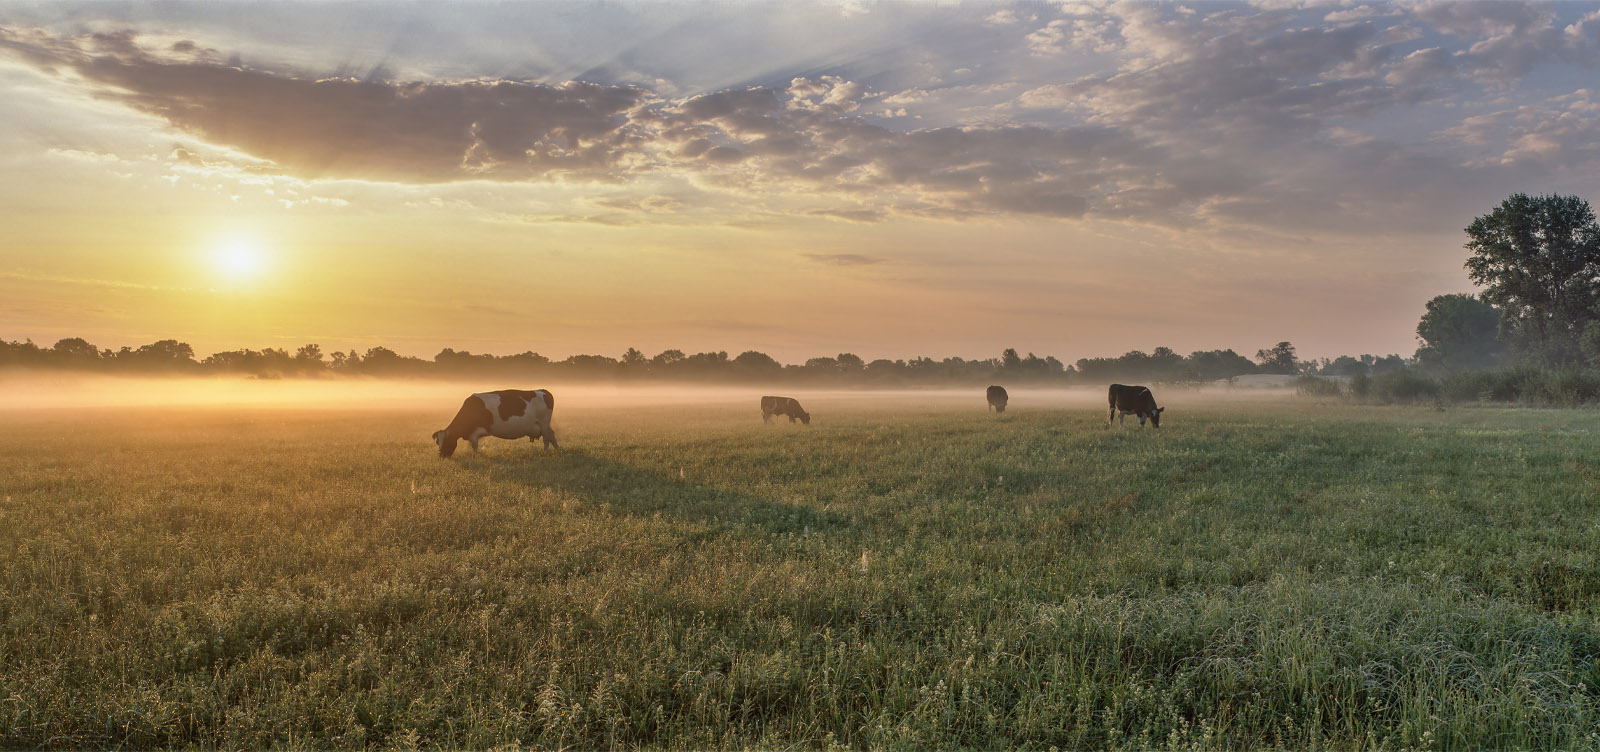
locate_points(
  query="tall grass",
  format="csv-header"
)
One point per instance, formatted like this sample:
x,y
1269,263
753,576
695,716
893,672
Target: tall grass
x,y
1249,576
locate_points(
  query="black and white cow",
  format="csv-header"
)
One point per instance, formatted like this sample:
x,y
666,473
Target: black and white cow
x,y
506,414
1133,399
997,398
789,406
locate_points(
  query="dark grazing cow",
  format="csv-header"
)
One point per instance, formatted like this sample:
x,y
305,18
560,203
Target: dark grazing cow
x,y
997,398
1133,399
789,406
506,414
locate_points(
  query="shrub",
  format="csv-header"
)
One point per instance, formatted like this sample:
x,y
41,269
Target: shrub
x,y
1474,386
1561,386
1526,383
1404,385
1361,386
1318,386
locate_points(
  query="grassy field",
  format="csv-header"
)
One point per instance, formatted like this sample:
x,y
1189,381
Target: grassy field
x,y
897,575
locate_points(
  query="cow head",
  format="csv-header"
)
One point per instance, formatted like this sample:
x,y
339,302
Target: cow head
x,y
1155,417
805,418
1000,406
445,442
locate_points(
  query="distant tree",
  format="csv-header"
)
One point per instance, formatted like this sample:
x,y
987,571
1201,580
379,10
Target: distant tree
x,y
707,365
667,358
635,360
76,351
163,355
822,367
884,370
1384,364
1214,365
309,354
1134,365
1010,361
850,363
1165,365
344,361
527,361
1538,258
756,365
1278,359
1459,333
1344,365
590,365
380,360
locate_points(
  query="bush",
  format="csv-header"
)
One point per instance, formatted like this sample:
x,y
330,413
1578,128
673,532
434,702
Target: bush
x,y
1475,386
1404,385
1526,383
1318,386
1361,386
1561,386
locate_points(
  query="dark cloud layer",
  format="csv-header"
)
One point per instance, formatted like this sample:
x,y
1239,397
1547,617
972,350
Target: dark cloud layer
x,y
798,134
1241,114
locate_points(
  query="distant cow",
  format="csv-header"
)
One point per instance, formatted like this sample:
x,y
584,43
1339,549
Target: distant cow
x,y
789,406
506,414
997,398
1133,399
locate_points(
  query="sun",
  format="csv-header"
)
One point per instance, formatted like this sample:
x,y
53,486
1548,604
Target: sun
x,y
239,259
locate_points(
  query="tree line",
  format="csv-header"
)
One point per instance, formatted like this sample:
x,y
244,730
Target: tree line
x,y
1532,334
1163,365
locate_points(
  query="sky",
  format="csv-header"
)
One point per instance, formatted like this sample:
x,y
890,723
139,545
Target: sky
x,y
801,178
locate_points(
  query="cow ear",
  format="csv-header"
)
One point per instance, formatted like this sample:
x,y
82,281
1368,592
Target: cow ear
x,y
1159,409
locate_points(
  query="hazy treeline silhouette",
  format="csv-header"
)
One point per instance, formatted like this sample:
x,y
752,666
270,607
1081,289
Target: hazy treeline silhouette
x,y
310,361
1532,335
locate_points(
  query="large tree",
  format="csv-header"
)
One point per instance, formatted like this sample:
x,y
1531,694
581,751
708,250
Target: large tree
x,y
1538,258
1279,359
1459,333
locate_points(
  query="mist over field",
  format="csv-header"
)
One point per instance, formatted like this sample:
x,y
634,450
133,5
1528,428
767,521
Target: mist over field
x,y
32,390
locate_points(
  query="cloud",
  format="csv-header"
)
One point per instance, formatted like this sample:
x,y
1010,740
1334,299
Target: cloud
x,y
1510,39
842,259
850,215
1540,137
313,127
1139,112
799,135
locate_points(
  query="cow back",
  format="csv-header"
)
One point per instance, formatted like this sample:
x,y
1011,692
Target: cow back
x,y
1133,399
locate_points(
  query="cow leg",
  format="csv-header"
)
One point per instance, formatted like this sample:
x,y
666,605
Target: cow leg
x,y
550,440
766,417
474,443
1112,417
791,419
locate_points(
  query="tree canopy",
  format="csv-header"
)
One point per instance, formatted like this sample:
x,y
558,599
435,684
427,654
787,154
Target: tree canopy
x,y
1538,258
1460,332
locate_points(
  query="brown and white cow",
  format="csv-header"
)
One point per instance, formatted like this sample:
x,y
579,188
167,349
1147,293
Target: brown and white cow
x,y
1133,399
997,398
789,406
506,414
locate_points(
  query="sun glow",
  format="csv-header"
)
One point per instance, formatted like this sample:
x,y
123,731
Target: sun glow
x,y
239,260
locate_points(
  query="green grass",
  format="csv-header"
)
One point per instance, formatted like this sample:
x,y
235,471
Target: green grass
x,y
1250,576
